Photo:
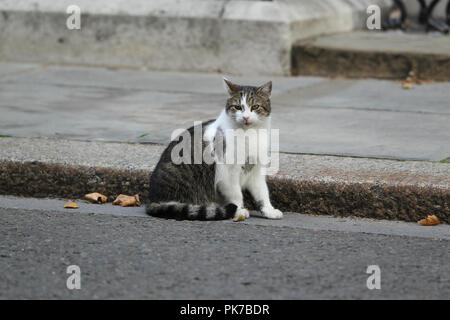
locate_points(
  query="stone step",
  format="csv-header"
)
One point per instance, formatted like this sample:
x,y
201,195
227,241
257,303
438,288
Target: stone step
x,y
365,54
227,36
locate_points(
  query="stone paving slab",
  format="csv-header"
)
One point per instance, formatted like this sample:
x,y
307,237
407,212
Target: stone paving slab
x,y
137,78
363,118
9,69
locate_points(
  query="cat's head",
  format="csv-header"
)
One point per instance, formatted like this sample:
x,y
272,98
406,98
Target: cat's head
x,y
248,106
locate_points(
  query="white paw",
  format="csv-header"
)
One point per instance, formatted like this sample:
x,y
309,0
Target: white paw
x,y
241,214
272,213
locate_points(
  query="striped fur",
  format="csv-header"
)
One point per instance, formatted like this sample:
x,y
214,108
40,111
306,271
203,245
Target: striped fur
x,y
189,190
184,211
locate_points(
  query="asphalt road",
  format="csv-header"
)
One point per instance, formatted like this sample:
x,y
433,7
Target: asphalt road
x,y
142,257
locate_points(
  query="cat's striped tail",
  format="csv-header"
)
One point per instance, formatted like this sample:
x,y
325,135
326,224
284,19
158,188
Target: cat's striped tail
x,y
184,211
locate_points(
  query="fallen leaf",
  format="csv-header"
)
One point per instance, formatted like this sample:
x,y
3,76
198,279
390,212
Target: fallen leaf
x,y
71,205
418,81
407,85
429,221
96,197
240,217
127,201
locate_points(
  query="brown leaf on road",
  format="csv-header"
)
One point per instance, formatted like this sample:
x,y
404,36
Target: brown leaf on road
x,y
240,217
418,81
429,221
409,82
127,201
95,197
71,205
407,85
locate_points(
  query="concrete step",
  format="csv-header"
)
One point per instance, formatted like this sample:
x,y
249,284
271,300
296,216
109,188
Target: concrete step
x,y
388,55
319,185
232,36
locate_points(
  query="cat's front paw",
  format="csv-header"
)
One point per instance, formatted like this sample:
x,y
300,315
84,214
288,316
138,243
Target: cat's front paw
x,y
241,214
271,213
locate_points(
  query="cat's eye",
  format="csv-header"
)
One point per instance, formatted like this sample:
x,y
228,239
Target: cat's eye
x,y
236,108
256,107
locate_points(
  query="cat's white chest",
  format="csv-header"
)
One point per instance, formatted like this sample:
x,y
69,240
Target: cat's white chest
x,y
238,147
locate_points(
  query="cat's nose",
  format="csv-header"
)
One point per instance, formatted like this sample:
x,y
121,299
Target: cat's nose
x,y
245,119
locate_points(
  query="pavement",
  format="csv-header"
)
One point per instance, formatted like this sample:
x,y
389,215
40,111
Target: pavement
x,y
359,118
123,255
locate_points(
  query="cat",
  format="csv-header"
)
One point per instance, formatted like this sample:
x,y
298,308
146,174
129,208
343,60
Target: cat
x,y
214,191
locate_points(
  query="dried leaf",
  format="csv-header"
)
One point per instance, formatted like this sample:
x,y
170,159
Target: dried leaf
x,y
138,202
240,217
407,85
429,221
420,82
71,205
96,197
127,201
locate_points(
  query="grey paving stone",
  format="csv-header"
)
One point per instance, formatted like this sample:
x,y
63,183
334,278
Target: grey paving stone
x,y
365,118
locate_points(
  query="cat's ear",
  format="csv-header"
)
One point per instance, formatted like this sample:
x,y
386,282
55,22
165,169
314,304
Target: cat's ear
x,y
231,87
265,89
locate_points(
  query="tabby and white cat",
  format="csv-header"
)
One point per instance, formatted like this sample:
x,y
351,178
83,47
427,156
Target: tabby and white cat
x,y
214,191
